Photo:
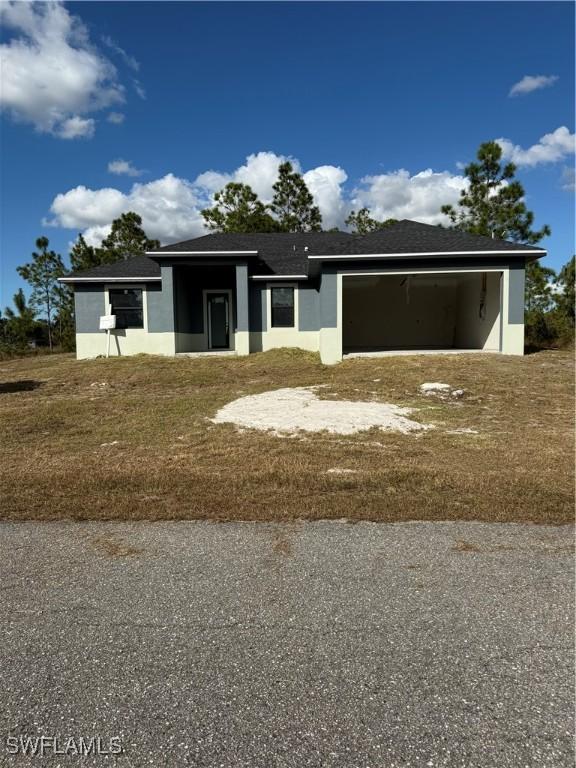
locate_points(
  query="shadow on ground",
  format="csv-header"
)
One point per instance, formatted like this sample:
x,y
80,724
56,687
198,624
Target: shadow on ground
x,y
25,385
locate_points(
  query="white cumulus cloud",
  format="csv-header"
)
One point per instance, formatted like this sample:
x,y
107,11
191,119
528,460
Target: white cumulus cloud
x,y
123,168
82,207
550,148
260,172
326,186
94,235
116,118
400,195
75,128
51,73
531,83
169,207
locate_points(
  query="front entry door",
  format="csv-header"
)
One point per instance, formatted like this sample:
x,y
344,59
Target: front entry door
x,y
218,320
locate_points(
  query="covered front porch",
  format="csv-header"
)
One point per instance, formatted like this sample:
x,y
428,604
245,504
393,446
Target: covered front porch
x,y
210,308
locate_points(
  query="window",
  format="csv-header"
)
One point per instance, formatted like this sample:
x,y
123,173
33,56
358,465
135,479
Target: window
x,y
282,304
126,304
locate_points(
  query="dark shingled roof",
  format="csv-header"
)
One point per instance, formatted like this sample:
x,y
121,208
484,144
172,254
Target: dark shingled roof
x,y
132,267
272,243
279,253
403,237
413,237
285,253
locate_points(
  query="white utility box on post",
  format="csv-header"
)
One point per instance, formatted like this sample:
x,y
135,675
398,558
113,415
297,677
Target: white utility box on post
x,y
107,323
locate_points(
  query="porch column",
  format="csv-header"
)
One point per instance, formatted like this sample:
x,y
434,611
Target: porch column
x,y
513,310
330,317
160,310
242,335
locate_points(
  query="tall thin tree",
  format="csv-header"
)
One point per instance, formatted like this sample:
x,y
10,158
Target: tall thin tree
x,y
293,205
493,202
42,274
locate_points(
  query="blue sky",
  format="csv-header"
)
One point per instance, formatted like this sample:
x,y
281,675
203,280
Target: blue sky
x,y
378,104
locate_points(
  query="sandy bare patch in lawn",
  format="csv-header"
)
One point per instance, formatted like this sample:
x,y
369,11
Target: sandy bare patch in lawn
x,y
290,410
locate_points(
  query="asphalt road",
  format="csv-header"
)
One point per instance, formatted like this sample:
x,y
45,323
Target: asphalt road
x,y
305,644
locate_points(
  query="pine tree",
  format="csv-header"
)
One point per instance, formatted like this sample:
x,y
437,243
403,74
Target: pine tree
x,y
493,204
19,325
565,297
42,274
84,256
361,223
126,239
538,288
293,204
238,209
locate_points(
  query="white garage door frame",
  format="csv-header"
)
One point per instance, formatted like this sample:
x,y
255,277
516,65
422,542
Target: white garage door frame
x,y
504,293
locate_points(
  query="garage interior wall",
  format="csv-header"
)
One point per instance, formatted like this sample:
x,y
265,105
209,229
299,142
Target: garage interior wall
x,y
440,311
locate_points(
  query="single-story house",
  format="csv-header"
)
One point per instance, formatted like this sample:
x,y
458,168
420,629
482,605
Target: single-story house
x,y
411,286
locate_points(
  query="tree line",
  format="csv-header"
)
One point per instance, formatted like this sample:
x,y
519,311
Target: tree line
x,y
491,205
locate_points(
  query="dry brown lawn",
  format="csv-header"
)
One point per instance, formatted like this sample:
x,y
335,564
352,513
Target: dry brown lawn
x,y
168,461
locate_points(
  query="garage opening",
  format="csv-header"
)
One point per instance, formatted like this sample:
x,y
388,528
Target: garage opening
x,y
421,312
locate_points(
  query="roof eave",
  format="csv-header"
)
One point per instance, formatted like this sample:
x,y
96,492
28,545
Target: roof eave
x,y
277,276
108,279
340,257
156,254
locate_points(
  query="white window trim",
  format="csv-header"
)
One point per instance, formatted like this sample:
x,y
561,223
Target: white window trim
x,y
108,306
281,329
231,327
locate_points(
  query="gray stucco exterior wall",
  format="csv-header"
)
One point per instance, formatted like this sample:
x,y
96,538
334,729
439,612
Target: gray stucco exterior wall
x,y
329,298
89,305
161,303
516,294
242,300
308,307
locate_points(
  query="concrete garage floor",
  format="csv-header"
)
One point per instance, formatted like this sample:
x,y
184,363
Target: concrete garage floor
x,y
407,352
303,644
